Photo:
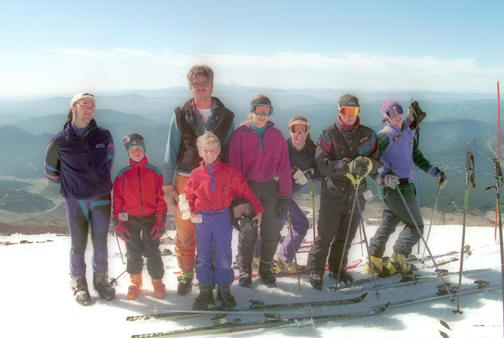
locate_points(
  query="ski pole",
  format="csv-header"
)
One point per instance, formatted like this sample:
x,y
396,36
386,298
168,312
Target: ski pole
x,y
367,249
313,207
120,251
432,217
469,167
114,280
293,249
447,285
498,185
355,183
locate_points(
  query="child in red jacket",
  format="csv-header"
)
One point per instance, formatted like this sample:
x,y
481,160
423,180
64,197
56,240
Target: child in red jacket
x,y
139,212
209,191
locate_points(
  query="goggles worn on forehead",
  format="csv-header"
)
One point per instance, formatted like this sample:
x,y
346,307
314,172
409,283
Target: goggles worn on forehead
x,y
394,111
253,109
132,139
346,111
299,127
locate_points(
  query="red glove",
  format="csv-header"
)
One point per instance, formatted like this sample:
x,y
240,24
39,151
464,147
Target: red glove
x,y
157,230
122,231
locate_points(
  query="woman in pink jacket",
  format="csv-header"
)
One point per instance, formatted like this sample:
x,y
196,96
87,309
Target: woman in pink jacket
x,y
259,150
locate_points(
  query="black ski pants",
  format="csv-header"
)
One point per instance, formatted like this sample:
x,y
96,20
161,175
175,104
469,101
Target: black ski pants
x,y
142,244
332,227
267,193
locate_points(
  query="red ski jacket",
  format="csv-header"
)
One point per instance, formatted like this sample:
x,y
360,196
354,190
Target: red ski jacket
x,y
213,187
138,191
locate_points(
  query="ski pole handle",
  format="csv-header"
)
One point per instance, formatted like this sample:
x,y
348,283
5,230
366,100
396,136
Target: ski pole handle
x,y
497,169
470,169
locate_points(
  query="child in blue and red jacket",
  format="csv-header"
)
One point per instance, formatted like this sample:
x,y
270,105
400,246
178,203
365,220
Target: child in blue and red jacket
x,y
139,212
209,191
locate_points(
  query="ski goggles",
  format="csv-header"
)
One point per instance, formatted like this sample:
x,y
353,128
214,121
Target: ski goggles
x,y
202,84
253,109
132,140
347,111
394,111
299,127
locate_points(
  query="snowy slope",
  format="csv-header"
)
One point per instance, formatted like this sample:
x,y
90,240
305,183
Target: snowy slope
x,y
37,302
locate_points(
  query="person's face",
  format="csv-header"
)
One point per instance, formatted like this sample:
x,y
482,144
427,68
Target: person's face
x,y
298,135
349,120
202,88
209,154
397,120
261,116
136,153
83,111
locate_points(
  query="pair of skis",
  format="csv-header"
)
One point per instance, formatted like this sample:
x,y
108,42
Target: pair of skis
x,y
273,322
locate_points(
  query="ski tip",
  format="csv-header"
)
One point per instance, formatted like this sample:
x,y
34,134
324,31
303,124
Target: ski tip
x,y
364,295
445,324
443,334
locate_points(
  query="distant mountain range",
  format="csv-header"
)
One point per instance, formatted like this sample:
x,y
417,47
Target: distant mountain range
x,y
452,126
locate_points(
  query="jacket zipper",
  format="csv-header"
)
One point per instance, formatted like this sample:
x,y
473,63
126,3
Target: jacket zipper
x,y
93,174
140,189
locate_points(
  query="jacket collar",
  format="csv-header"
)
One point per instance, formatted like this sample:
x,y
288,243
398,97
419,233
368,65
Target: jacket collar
x,y
140,164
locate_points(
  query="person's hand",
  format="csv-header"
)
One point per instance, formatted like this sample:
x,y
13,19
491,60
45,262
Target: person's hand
x,y
157,230
310,173
360,166
282,206
258,219
122,232
439,175
390,181
170,195
298,176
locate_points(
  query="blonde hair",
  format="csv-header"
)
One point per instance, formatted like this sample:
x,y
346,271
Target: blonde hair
x,y
208,140
200,70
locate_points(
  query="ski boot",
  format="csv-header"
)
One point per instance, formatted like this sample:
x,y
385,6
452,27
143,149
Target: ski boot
x,y
204,299
316,280
80,290
266,275
184,283
345,277
380,267
103,286
226,298
245,278
135,287
400,262
159,288
281,266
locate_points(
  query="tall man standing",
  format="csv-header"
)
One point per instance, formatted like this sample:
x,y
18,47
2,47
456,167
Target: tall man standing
x,y
199,114
345,149
80,158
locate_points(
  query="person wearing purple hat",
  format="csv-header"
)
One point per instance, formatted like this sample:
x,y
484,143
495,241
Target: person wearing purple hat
x,y
346,151
399,155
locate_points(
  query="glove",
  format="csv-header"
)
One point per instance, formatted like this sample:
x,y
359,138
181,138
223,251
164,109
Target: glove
x,y
360,166
158,229
439,175
282,206
122,232
298,176
309,173
390,181
246,224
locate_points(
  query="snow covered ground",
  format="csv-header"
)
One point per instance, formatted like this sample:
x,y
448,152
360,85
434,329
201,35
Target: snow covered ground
x,y
37,302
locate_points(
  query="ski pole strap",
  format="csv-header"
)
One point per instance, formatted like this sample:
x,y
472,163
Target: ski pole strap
x,y
355,180
470,168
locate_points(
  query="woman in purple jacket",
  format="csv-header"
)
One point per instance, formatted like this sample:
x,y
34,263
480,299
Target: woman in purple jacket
x,y
259,151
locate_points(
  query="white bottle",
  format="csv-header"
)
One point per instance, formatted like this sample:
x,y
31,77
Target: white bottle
x,y
183,204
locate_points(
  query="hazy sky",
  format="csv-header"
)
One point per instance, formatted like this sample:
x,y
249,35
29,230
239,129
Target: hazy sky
x,y
60,47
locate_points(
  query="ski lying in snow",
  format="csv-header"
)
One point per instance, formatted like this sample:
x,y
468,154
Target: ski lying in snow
x,y
254,307
392,281
478,286
271,322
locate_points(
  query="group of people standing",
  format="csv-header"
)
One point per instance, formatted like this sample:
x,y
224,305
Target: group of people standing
x,y
208,166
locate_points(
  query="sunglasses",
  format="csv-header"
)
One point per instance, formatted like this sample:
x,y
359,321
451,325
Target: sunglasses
x,y
132,139
200,84
346,111
254,106
299,127
394,111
